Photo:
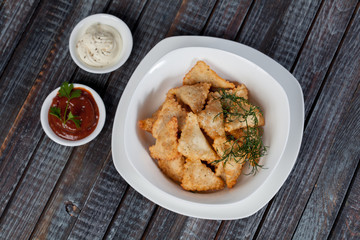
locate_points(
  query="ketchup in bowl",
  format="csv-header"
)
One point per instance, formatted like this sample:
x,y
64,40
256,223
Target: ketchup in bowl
x,y
73,117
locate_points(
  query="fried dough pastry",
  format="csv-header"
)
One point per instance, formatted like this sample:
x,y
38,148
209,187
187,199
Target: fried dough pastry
x,y
204,114
238,133
170,108
147,123
230,170
201,72
192,95
211,119
174,169
192,143
166,144
198,177
235,122
239,91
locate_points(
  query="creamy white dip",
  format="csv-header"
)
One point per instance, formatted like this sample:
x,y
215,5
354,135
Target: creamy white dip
x,y
99,46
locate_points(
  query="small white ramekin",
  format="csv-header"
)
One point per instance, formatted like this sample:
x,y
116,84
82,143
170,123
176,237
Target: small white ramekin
x,y
50,133
112,21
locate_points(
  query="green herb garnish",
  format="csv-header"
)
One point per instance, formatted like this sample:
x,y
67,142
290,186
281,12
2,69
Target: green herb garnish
x,y
249,147
66,90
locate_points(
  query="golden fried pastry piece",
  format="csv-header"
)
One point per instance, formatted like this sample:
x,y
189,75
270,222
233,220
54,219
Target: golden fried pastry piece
x,y
201,72
211,119
238,133
166,143
147,123
198,177
231,170
192,95
235,122
171,108
239,91
192,143
174,169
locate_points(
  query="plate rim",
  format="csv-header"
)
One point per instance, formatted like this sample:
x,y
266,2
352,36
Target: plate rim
x,y
292,147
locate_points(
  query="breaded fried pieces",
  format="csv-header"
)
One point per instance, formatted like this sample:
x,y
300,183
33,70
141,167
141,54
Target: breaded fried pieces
x,y
202,72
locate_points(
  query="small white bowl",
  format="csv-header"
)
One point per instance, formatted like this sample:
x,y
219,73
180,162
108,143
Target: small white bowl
x,y
49,132
112,21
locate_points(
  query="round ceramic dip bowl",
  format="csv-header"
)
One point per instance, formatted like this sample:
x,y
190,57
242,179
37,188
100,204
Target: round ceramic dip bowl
x,y
86,39
44,118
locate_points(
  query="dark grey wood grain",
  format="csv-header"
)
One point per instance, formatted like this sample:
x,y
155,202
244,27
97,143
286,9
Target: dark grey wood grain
x,y
334,180
227,18
347,225
338,170
165,225
180,227
14,18
83,170
324,125
51,27
30,64
94,218
278,28
321,46
191,18
132,217
241,229
26,206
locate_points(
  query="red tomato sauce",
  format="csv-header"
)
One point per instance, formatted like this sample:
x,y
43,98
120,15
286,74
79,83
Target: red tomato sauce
x,y
84,107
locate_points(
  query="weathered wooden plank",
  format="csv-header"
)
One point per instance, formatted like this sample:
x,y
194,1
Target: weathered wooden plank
x,y
227,18
241,229
333,182
169,225
191,18
21,215
321,46
165,225
324,125
347,225
32,62
54,19
14,16
97,212
338,170
132,217
82,171
278,28
34,54
152,27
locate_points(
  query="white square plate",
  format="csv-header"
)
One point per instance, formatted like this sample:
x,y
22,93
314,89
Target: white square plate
x,y
163,68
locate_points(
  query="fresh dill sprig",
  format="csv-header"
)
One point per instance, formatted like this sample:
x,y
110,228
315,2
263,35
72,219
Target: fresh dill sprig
x,y
249,147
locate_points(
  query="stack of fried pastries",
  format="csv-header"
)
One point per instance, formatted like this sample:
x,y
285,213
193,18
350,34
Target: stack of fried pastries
x,y
191,132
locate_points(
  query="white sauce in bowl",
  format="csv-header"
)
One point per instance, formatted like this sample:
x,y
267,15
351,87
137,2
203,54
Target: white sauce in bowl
x,y
99,46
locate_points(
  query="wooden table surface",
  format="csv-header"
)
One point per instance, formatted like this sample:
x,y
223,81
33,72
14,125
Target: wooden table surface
x,y
49,191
